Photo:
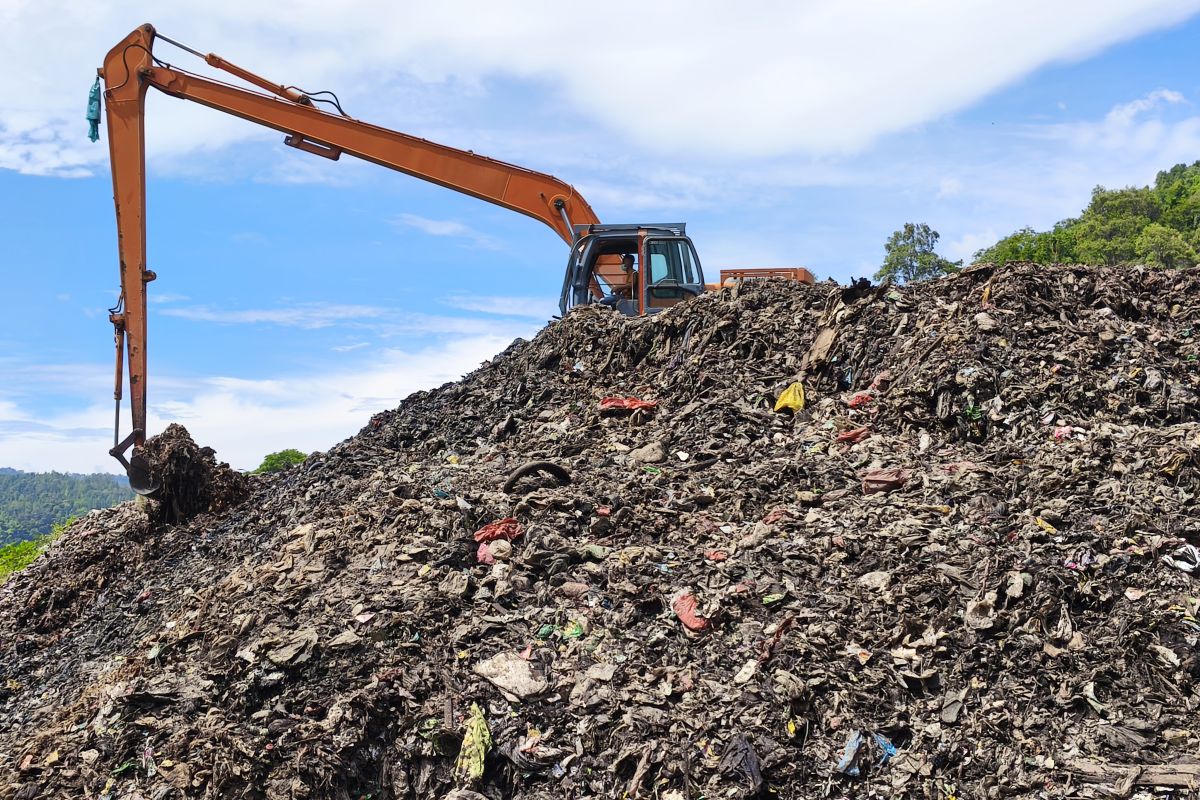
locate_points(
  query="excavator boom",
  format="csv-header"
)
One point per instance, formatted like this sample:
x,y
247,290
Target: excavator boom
x,y
130,69
600,255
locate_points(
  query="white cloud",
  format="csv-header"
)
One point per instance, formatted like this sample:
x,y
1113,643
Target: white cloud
x,y
1124,115
949,187
1125,147
789,77
310,316
969,243
385,322
446,227
539,308
245,419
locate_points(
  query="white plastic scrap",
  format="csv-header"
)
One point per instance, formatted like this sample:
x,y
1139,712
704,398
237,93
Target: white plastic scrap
x,y
1185,558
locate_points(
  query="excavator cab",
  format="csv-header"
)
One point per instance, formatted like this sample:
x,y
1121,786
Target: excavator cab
x,y
666,268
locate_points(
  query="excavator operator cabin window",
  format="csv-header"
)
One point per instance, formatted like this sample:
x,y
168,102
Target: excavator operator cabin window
x,y
671,262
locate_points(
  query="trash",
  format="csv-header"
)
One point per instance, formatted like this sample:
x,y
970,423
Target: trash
x,y
981,614
853,436
746,672
1185,558
791,398
626,404
512,675
884,480
741,759
885,746
848,764
652,453
684,605
857,756
476,744
506,529
860,399
328,636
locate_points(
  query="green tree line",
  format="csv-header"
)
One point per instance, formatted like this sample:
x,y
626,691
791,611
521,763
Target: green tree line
x,y
32,503
16,556
1157,225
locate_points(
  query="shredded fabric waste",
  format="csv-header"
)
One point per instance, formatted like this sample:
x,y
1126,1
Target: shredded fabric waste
x,y
958,560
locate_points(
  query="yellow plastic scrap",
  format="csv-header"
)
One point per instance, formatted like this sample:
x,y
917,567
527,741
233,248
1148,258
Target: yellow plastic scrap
x,y
1046,526
477,743
792,398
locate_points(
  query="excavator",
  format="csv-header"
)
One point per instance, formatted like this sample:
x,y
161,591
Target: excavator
x,y
600,266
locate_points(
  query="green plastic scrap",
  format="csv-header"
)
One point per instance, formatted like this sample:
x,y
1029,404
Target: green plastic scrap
x,y
771,599
596,552
574,630
477,743
428,727
546,631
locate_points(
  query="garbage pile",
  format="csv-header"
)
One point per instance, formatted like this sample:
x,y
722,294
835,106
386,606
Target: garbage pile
x,y
936,540
192,481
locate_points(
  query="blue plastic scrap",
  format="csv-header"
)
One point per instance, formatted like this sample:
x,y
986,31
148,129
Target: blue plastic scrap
x,y
852,753
93,111
848,764
886,746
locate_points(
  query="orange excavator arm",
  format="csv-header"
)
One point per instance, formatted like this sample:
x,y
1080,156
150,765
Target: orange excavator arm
x,y
130,69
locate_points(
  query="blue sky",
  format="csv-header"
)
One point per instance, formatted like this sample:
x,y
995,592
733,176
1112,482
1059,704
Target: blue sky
x,y
297,296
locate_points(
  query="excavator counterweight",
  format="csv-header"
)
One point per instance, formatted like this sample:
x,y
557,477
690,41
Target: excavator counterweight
x,y
600,266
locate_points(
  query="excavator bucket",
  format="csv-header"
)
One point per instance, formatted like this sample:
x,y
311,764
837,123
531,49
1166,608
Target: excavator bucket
x,y
140,478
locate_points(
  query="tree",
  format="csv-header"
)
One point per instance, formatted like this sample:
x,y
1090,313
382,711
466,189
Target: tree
x,y
1048,247
909,255
1119,226
32,502
1109,227
278,462
1164,246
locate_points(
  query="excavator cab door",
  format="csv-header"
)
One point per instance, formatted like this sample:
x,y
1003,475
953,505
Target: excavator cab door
x,y
670,272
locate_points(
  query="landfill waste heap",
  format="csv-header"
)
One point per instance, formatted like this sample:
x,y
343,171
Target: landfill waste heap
x,y
935,540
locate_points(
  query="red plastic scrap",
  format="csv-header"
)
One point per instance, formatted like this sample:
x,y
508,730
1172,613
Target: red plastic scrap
x,y
507,528
860,399
684,606
882,381
716,555
884,480
626,404
484,554
854,436
768,646
774,515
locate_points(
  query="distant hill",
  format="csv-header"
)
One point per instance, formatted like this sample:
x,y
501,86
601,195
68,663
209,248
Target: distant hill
x,y
32,502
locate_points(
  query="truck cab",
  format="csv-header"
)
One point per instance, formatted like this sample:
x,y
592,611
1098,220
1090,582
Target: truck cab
x,y
634,269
